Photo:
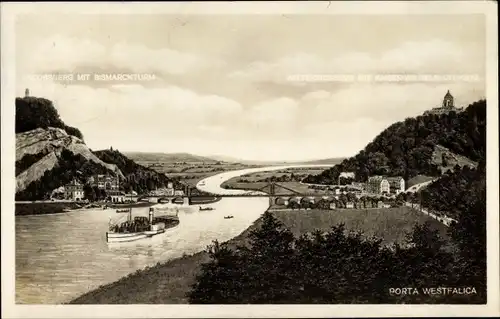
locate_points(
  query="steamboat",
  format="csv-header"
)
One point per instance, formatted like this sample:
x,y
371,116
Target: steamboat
x,y
140,226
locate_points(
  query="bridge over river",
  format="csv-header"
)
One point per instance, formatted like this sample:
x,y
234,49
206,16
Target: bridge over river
x,y
274,191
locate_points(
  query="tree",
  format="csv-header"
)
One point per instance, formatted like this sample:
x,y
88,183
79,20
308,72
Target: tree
x,y
216,284
89,193
255,274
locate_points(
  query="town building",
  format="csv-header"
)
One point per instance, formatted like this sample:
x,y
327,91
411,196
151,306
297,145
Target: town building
x,y
74,190
106,182
396,184
447,106
349,205
368,203
162,192
333,205
179,192
377,185
116,196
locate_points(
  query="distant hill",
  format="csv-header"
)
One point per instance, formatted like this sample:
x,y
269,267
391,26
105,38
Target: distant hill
x,y
416,147
168,157
270,163
326,161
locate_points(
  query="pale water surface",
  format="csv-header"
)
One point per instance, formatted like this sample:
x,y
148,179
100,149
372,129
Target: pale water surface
x,y
61,256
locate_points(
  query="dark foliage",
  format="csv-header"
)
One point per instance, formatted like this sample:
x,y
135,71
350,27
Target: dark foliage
x,y
137,177
94,193
452,192
340,267
406,148
33,113
27,160
69,166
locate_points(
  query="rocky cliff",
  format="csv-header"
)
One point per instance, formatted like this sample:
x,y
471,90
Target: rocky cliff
x,y
39,151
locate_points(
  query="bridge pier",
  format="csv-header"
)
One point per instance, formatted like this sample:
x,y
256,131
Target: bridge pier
x,y
272,200
185,201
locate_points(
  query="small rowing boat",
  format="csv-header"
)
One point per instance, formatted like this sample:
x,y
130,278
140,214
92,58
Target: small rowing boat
x,y
205,208
228,217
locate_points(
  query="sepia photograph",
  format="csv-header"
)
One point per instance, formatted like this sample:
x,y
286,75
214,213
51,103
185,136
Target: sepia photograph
x,y
324,154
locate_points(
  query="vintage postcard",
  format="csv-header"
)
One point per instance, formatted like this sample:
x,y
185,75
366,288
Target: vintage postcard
x,y
281,159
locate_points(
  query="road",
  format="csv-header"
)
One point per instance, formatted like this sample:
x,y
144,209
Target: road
x,y
445,220
415,188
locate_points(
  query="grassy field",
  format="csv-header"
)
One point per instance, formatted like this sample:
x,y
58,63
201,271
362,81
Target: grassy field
x,y
192,172
389,224
296,186
168,283
301,171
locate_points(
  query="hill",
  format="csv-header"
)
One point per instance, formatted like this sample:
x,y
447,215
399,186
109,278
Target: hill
x,y
137,177
169,157
35,112
50,154
409,148
49,158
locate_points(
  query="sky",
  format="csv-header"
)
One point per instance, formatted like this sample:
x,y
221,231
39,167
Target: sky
x,y
255,87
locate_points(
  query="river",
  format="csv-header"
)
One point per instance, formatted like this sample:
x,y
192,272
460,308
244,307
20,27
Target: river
x,y
61,256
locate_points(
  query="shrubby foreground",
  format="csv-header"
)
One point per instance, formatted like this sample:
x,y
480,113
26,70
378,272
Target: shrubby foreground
x,y
341,267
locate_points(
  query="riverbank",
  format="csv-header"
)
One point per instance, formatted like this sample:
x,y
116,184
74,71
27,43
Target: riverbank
x,y
49,208
168,283
45,208
205,200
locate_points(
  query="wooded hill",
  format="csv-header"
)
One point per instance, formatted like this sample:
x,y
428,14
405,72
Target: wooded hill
x,y
35,112
137,177
50,154
406,148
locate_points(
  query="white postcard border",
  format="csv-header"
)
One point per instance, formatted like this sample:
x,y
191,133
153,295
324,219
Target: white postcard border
x,y
10,310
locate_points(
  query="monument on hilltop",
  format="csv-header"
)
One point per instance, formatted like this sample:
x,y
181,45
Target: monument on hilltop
x,y
447,106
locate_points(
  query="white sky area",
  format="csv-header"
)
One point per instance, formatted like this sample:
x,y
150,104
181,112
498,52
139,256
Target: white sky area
x,y
222,83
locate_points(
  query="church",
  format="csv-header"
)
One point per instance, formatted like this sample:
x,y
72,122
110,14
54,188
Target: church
x,y
447,106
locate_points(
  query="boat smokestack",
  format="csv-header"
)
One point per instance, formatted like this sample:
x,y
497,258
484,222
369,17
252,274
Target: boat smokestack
x,y
151,211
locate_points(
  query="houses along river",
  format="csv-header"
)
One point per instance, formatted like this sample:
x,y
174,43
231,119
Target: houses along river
x,y
61,256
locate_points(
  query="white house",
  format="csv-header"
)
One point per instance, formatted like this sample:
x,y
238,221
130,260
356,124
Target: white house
x,y
396,184
74,190
378,185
